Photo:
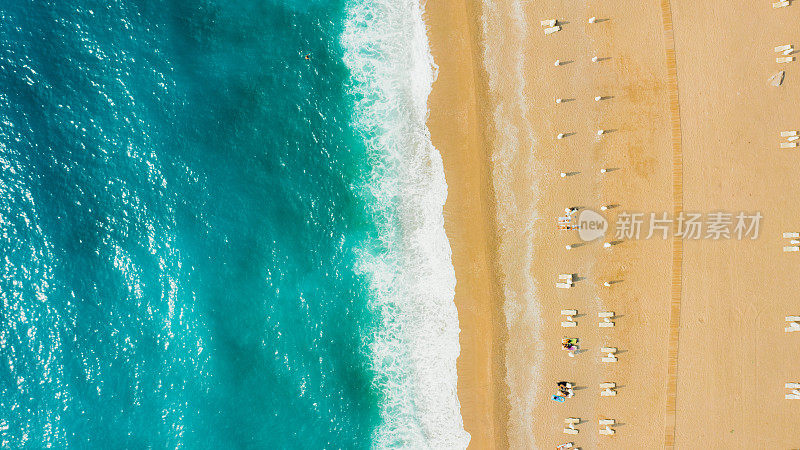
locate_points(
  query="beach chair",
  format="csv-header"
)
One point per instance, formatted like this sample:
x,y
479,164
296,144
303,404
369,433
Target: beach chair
x,y
607,423
789,133
606,316
782,4
792,138
610,354
570,321
551,30
791,249
792,385
608,385
789,235
571,422
565,446
569,277
784,59
783,48
550,23
564,285
788,144
793,325
788,51
795,242
608,393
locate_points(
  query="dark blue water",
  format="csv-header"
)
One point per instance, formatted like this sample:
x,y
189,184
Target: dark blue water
x,y
177,227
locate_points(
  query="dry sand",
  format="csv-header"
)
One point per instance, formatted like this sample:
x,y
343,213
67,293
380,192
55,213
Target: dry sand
x,y
700,138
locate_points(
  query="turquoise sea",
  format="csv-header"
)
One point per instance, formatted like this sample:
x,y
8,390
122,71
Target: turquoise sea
x,y
221,227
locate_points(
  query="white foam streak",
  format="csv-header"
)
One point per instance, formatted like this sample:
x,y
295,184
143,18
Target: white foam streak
x,y
414,350
505,27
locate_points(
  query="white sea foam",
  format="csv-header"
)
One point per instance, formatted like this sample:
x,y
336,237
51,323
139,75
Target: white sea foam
x,y
414,349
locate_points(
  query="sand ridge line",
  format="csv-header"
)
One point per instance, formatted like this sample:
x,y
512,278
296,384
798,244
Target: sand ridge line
x,y
677,242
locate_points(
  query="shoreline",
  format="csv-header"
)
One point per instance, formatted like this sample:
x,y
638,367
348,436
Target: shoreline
x,y
460,131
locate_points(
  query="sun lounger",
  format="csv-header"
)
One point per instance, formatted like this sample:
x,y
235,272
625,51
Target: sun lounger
x,y
793,326
552,22
792,385
782,4
569,312
788,133
606,324
569,324
608,385
611,350
788,235
792,397
607,431
792,138
608,393
793,318
552,29
567,276
564,285
784,59
788,144
791,249
606,316
565,446
609,359
782,48
788,51
570,431
604,422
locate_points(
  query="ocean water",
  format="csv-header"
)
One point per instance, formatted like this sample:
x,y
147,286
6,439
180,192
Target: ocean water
x,y
221,227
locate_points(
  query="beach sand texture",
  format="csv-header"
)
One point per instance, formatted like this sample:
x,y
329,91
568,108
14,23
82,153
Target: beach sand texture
x,y
703,356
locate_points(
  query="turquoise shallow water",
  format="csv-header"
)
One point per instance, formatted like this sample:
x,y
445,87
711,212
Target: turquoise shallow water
x,y
178,222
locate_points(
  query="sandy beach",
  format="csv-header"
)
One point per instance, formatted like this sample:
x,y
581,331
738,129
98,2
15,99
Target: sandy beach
x,y
694,127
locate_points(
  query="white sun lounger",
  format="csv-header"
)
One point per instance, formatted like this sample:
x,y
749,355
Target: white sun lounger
x,y
552,23
780,4
793,326
607,431
564,285
789,235
782,48
792,385
572,420
552,30
565,446
569,312
608,393
609,359
569,324
792,138
610,350
788,133
791,249
792,397
784,59
793,318
788,144
788,51
606,316
608,385
570,431
605,422
567,276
